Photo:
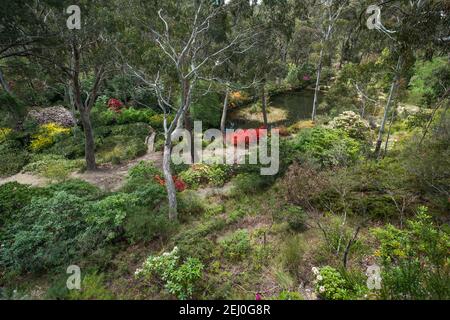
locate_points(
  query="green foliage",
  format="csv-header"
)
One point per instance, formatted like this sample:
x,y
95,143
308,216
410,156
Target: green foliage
x,y
295,217
14,157
92,288
77,187
292,253
288,295
189,204
429,81
157,121
414,259
180,279
236,246
207,109
332,285
329,147
200,174
53,167
108,214
46,233
146,224
251,183
141,175
13,197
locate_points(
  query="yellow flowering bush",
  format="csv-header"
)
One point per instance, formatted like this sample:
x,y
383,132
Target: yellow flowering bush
x,y
4,132
47,136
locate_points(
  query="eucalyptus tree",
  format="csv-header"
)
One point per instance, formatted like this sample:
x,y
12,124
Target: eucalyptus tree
x,y
183,35
80,55
331,11
410,26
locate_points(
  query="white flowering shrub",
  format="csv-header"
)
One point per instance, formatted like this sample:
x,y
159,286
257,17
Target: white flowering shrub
x,y
180,279
352,123
331,285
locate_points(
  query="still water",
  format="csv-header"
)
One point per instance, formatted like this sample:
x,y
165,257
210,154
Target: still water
x,y
297,104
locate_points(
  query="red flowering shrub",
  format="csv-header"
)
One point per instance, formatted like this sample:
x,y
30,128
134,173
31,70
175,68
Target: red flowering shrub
x,y
179,184
115,105
246,136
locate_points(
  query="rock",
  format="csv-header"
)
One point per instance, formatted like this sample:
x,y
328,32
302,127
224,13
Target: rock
x,y
56,114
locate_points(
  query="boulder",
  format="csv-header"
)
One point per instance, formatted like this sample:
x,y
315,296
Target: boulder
x,y
56,114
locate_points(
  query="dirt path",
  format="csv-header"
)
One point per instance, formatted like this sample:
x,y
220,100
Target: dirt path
x,y
108,177
26,178
112,177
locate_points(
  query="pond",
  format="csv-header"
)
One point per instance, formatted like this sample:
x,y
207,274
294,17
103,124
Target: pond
x,y
285,110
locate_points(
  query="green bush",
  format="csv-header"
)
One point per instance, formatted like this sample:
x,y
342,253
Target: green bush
x,y
189,204
14,157
295,217
13,197
53,167
251,183
77,187
46,233
144,224
141,175
201,174
332,285
92,288
207,109
180,279
329,147
236,246
414,259
292,254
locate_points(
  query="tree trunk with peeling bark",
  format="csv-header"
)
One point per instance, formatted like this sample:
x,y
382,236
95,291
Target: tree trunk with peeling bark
x,y
264,104
170,185
223,119
388,107
317,88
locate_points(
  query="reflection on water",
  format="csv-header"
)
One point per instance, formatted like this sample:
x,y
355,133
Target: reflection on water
x,y
297,104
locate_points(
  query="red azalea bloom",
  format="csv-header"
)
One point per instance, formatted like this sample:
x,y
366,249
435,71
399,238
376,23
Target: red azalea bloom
x,y
244,136
258,297
180,185
115,105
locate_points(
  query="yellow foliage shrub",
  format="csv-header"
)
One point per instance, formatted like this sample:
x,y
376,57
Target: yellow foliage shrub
x,y
47,135
4,132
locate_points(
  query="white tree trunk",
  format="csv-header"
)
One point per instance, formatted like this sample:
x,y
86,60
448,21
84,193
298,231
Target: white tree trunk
x,y
387,108
317,88
170,185
223,120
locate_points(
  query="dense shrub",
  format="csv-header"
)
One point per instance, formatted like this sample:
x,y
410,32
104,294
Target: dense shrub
x,y
352,124
47,135
329,147
92,288
14,157
145,224
332,285
414,259
141,175
207,109
79,188
180,279
236,246
200,174
46,233
53,166
13,197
